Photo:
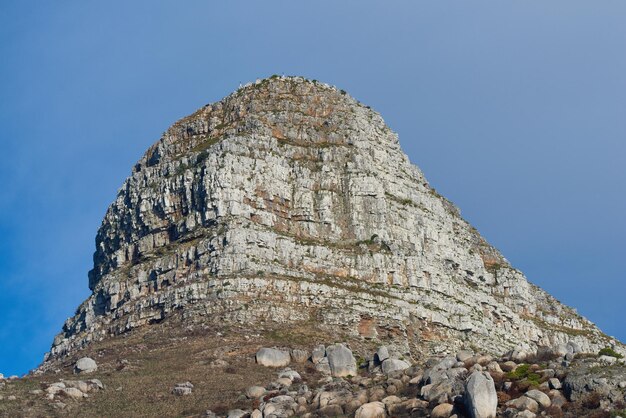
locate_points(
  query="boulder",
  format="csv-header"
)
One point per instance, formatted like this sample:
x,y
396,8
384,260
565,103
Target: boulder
x,y
540,397
464,355
494,367
382,354
481,399
391,365
183,389
371,410
318,354
330,411
410,407
237,413
323,366
525,414
341,361
272,357
255,392
299,356
72,393
293,375
508,366
446,363
390,400
524,403
85,365
443,410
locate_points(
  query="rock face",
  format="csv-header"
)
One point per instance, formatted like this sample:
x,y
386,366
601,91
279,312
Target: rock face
x,y
292,194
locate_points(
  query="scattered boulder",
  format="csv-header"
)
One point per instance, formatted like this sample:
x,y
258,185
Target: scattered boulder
x,y
85,365
183,389
341,361
480,396
382,354
318,354
255,392
323,366
371,410
540,397
464,355
290,374
72,393
299,356
524,403
391,365
508,366
272,357
443,410
237,413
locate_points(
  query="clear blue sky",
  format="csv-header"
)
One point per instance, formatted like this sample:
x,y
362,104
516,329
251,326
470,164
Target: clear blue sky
x,y
515,110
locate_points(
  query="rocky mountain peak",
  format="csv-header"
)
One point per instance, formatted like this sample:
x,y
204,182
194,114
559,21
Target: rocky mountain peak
x,y
289,202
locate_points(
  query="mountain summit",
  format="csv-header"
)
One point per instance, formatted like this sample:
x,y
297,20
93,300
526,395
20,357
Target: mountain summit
x,y
289,203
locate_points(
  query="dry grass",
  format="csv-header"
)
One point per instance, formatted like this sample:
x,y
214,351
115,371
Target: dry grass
x,y
140,370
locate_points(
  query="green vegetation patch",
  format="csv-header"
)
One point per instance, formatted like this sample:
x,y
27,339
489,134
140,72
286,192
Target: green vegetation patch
x,y
523,372
608,351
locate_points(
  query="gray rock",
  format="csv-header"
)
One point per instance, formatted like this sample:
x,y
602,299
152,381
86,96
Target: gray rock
x,y
391,365
72,393
290,374
464,355
525,414
524,403
237,413
541,398
318,354
323,366
183,389
341,361
382,354
299,356
446,363
481,400
255,392
272,357
85,365
555,383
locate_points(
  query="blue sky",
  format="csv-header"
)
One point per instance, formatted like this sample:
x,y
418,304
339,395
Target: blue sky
x,y
514,110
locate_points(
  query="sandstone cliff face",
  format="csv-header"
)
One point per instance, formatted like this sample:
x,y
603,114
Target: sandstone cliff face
x,y
290,201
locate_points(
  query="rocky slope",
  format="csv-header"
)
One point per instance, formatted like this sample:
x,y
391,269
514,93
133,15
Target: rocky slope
x,y
289,202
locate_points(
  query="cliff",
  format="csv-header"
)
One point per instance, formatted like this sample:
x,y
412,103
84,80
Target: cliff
x,y
289,202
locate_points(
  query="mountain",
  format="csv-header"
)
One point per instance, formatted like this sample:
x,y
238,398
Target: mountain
x,y
284,226
289,202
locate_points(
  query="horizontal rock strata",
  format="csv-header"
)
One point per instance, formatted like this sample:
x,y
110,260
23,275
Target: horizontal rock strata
x,y
290,201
